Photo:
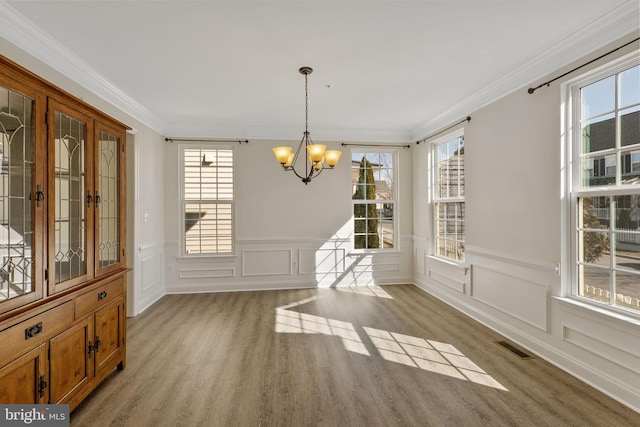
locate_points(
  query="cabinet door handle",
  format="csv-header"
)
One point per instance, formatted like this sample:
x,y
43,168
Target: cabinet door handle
x,y
98,344
89,199
97,199
39,195
91,348
33,331
43,385
102,295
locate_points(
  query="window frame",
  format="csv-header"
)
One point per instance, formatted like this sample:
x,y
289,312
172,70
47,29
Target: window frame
x,y
183,148
436,199
394,201
576,190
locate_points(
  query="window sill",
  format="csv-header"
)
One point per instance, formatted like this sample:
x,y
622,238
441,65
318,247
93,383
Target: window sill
x,y
206,257
363,252
461,266
607,312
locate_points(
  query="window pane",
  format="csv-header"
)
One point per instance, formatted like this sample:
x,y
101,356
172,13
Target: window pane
x,y
599,170
630,167
630,126
599,134
208,179
629,87
608,228
372,178
206,227
627,212
627,289
450,230
595,283
598,98
628,250
594,212
594,247
450,169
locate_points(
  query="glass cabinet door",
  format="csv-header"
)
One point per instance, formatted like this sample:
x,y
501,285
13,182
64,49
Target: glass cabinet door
x,y
109,182
71,221
17,200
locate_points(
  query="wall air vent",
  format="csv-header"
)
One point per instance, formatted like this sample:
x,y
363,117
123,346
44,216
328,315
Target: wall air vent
x,y
514,350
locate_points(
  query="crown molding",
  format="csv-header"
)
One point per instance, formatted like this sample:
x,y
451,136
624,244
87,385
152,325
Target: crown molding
x,y
618,23
28,37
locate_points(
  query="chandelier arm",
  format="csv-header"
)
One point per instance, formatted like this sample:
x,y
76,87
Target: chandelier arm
x,y
312,168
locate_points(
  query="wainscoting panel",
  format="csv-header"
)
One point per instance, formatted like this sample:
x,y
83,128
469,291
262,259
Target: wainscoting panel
x,y
321,261
520,298
267,262
447,274
149,285
151,271
206,273
621,353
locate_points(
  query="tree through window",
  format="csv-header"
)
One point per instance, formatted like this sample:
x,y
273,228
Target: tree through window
x,y
374,192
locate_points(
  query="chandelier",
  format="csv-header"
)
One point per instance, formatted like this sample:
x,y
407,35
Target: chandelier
x,y
318,159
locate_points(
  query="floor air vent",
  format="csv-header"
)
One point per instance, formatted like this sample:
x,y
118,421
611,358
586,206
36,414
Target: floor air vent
x,y
514,350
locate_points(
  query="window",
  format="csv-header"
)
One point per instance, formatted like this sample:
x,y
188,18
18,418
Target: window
x,y
374,195
448,196
605,186
207,200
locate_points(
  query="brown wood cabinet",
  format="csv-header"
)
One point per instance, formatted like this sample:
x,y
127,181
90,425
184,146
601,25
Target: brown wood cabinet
x,y
62,242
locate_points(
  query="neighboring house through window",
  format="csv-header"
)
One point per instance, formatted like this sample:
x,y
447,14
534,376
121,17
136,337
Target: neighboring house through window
x,y
448,196
374,194
605,184
207,200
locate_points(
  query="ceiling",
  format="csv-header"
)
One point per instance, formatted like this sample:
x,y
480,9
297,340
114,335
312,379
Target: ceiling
x,y
383,70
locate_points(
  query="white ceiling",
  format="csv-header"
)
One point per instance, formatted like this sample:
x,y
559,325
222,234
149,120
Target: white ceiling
x,y
383,70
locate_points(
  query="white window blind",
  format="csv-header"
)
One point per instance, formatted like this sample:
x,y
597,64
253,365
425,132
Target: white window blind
x,y
207,204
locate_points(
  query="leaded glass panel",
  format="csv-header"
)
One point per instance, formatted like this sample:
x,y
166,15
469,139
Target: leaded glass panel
x,y
70,187
16,168
107,200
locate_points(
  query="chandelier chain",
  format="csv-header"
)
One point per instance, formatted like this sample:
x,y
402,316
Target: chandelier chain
x,y
306,105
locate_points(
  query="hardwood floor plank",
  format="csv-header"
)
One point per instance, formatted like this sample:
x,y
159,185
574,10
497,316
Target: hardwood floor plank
x,y
330,357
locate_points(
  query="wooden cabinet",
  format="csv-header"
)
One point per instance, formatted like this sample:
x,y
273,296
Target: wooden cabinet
x,y
62,242
24,380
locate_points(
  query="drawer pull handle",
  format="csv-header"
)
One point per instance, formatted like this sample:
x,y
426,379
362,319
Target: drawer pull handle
x,y
102,295
33,331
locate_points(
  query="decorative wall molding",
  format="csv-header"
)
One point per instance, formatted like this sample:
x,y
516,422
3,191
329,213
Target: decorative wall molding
x,y
208,273
602,347
331,261
520,298
527,262
267,262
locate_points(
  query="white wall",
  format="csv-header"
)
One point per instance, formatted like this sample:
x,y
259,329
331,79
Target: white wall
x,y
148,214
287,234
514,243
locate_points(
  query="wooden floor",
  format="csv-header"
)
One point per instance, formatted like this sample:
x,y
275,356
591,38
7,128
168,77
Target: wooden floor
x,y
381,356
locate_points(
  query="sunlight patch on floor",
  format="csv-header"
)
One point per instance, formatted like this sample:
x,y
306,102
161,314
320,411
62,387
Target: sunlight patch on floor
x,y
433,356
293,322
429,355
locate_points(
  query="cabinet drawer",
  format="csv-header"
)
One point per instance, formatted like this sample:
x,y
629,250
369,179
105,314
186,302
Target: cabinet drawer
x,y
34,331
98,297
